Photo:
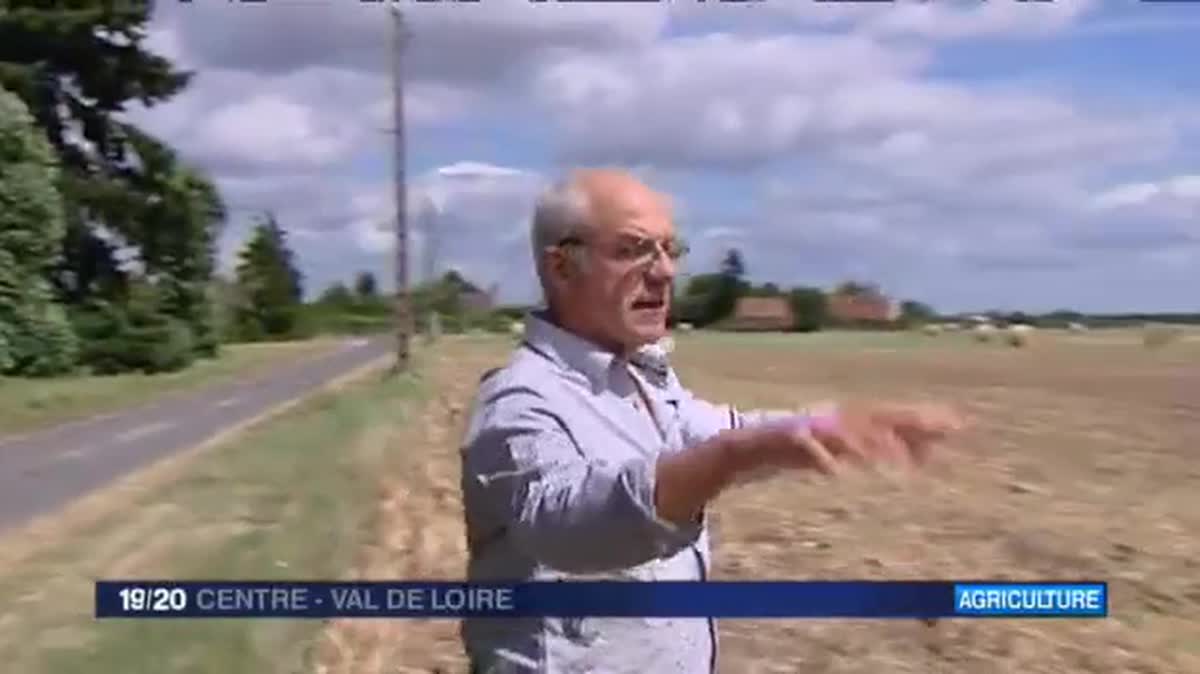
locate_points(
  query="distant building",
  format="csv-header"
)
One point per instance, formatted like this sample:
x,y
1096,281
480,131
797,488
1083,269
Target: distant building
x,y
762,313
474,299
863,306
470,296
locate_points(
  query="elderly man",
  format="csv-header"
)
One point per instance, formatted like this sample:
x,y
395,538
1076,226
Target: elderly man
x,y
586,457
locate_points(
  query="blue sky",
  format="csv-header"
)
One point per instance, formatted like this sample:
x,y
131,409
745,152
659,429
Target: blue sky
x,y
972,155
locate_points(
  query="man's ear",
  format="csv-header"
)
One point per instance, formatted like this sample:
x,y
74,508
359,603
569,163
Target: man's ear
x,y
564,264
557,263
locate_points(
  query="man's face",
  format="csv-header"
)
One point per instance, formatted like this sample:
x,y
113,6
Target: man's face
x,y
622,291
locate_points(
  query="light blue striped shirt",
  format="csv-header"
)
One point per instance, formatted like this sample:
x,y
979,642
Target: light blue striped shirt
x,y
558,472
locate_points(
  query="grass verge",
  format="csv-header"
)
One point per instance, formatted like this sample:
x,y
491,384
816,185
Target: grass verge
x,y
289,499
30,404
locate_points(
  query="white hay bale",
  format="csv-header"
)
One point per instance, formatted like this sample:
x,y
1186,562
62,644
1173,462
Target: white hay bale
x,y
516,329
1077,327
951,327
1019,335
685,327
983,332
932,330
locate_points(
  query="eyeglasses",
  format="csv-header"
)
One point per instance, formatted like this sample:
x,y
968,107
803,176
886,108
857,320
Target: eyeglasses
x,y
637,250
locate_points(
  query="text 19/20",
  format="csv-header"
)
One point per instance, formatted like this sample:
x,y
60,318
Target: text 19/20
x,y
153,599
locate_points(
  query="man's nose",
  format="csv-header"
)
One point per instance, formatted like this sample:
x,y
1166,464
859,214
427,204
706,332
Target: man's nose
x,y
662,267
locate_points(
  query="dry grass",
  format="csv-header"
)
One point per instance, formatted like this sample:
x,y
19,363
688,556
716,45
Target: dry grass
x,y
418,532
1081,464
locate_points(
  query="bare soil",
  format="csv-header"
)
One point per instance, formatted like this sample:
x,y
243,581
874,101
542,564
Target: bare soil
x,y
1081,464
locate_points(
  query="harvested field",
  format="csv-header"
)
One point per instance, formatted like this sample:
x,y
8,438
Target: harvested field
x,y
1081,463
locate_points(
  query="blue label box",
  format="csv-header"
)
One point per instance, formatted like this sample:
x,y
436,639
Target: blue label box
x,y
1047,600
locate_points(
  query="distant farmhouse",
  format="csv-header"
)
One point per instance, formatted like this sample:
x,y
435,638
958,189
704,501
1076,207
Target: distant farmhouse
x,y
470,296
762,313
475,299
850,304
860,304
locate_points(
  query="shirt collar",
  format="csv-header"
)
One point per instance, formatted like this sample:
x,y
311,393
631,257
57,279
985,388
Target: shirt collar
x,y
573,352
568,350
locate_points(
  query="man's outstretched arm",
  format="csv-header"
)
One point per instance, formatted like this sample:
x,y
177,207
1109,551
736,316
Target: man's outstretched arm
x,y
565,505
570,509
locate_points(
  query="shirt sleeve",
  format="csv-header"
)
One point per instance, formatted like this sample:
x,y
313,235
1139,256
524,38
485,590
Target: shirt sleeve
x,y
573,513
703,419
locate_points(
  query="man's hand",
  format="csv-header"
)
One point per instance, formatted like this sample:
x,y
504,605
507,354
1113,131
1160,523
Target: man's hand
x,y
826,440
857,433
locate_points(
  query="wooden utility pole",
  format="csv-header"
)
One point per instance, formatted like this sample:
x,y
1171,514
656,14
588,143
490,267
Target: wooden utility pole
x,y
404,322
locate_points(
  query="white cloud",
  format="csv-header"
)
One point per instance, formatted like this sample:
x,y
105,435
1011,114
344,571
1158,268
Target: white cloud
x,y
1178,196
1127,195
715,99
1179,259
472,212
447,41
875,166
733,100
232,121
951,21
920,19
430,104
712,233
1185,187
272,129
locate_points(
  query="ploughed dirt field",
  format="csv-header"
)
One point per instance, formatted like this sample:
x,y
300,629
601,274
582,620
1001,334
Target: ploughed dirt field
x,y
1082,463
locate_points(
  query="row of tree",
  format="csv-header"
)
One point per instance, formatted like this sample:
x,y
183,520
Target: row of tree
x,y
450,297
107,239
709,300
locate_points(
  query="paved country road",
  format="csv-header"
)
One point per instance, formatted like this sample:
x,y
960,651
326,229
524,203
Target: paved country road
x,y
44,470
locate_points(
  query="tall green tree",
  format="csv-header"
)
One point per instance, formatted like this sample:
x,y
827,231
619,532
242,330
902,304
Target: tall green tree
x,y
766,290
270,284
913,312
337,296
854,288
365,286
179,241
708,298
810,308
77,64
35,336
730,286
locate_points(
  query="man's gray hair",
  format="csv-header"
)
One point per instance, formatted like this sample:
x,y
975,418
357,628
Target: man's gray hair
x,y
563,210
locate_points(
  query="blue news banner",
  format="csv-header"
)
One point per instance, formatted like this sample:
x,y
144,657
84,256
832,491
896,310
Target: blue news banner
x,y
809,599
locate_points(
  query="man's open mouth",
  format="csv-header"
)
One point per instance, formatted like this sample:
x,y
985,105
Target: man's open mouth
x,y
647,304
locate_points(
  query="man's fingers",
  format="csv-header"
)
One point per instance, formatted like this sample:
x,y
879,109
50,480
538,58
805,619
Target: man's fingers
x,y
920,424
859,439
939,419
793,443
864,435
892,448
820,457
848,445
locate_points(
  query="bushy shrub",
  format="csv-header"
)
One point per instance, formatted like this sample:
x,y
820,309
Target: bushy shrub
x,y
42,343
35,336
134,337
